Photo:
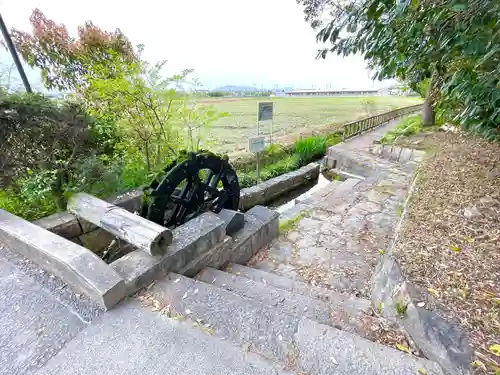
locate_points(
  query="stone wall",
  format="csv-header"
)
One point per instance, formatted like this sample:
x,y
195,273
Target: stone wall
x,y
269,190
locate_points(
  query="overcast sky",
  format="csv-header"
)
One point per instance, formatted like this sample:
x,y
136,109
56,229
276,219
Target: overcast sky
x,y
238,42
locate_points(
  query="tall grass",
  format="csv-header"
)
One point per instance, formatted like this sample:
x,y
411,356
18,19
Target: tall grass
x,y
310,149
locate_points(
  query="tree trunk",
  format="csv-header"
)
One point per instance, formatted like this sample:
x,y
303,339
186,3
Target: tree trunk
x,y
58,191
158,156
428,115
148,160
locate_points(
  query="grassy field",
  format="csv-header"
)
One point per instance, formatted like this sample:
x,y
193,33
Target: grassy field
x,y
292,116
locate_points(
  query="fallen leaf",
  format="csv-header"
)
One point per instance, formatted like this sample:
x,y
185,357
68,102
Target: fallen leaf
x,y
381,251
433,291
402,348
469,239
495,349
478,363
455,248
422,371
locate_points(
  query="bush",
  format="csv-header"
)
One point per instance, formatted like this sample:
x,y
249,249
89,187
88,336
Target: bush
x,y
408,126
42,140
287,164
333,138
28,207
272,154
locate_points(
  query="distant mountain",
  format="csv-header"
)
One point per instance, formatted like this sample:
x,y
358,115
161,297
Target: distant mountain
x,y
232,88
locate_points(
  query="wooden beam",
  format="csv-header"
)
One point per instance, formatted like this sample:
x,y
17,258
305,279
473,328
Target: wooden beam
x,y
142,233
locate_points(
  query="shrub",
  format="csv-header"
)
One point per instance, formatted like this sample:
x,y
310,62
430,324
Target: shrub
x,y
408,126
287,164
28,207
333,138
44,137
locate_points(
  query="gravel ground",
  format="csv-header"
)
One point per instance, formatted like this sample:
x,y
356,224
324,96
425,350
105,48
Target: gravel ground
x,y
450,241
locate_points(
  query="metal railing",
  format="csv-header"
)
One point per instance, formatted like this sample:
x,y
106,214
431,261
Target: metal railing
x,y
352,129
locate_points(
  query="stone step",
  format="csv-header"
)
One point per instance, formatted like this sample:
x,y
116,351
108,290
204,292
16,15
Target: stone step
x,y
359,163
337,313
281,300
137,338
300,344
323,350
246,322
350,302
333,273
397,154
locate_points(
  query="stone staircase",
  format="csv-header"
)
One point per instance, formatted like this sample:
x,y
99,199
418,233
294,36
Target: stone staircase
x,y
304,302
300,306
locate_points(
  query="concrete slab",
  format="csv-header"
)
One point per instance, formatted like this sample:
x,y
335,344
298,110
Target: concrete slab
x,y
38,315
266,191
279,299
232,317
132,339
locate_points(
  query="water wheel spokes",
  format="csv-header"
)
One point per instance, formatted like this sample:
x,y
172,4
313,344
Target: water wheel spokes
x,y
202,182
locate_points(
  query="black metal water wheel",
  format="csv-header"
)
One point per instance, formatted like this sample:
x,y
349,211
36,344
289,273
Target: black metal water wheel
x,y
199,183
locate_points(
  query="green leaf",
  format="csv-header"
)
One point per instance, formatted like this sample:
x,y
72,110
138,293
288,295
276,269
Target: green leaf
x,y
459,7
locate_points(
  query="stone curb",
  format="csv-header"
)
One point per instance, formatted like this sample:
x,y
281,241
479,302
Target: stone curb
x,y
190,240
75,265
266,191
437,339
200,243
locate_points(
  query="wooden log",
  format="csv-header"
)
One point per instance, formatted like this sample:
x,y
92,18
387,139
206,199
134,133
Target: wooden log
x,y
142,233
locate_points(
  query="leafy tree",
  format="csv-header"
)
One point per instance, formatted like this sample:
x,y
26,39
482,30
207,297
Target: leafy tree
x,y
453,45
66,63
145,105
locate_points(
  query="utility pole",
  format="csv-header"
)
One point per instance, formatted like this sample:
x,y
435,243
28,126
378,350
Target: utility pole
x,y
14,54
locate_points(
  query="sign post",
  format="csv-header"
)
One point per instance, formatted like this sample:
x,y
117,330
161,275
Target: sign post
x,y
257,144
265,114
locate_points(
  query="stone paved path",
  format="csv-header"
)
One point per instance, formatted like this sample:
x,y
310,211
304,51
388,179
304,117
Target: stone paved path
x,y
340,238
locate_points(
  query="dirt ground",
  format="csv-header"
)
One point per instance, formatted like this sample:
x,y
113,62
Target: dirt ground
x,y
450,240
